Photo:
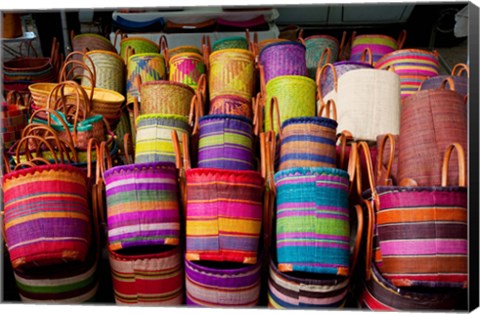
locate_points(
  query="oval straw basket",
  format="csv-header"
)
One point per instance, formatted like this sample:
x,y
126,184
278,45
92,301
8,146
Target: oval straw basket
x,y
164,97
109,69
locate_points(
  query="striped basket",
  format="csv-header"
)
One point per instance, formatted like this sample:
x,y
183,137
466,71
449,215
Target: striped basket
x,y
153,142
142,205
164,97
109,69
460,81
413,66
232,105
226,142
283,58
147,279
378,44
223,215
313,229
148,67
234,42
139,45
308,142
91,42
52,225
264,43
316,47
222,285
232,72
296,97
186,68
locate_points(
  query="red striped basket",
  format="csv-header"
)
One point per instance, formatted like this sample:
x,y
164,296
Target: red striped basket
x,y
223,215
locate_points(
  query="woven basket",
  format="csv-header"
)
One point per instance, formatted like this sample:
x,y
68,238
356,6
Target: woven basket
x,y
234,42
460,81
90,41
147,279
296,98
430,121
153,141
139,45
231,105
109,69
148,67
368,103
35,234
316,46
379,45
225,142
223,215
164,97
169,53
14,117
283,58
312,211
413,66
264,43
232,285
142,205
232,72
186,68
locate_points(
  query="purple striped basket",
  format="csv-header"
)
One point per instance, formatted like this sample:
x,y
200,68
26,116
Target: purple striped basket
x,y
225,142
283,58
460,75
142,205
378,44
312,226
222,285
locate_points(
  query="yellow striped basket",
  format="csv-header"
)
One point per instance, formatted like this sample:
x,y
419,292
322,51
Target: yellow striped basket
x,y
186,68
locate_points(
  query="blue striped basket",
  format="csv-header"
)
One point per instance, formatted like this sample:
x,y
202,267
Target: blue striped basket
x,y
313,220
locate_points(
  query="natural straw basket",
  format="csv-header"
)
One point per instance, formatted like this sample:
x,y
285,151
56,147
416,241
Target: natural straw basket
x,y
232,72
109,69
139,45
231,104
186,68
165,97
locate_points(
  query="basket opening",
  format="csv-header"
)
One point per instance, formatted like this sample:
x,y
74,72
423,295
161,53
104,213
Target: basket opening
x,y
145,250
220,265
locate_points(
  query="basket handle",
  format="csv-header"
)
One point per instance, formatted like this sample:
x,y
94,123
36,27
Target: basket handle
x,y
367,52
330,108
14,98
202,88
261,74
128,147
122,36
343,45
130,51
258,107
401,39
91,75
459,68
343,137
352,167
462,180
320,75
267,150
91,142
50,112
182,166
300,37
136,110
196,112
275,108
358,238
206,49
104,161
325,57
450,82
369,238
363,147
384,173
28,154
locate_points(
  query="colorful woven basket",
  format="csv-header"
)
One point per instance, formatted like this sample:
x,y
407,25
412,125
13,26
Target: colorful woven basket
x,y
90,42
148,67
142,205
139,45
232,72
225,142
222,285
234,42
153,141
164,97
312,226
318,46
264,43
460,81
147,279
186,68
109,69
413,66
231,104
430,121
283,58
13,119
52,225
378,44
296,97
223,215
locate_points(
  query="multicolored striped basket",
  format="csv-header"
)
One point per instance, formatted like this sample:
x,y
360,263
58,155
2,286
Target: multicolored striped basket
x,y
225,142
165,97
296,97
423,231
223,215
460,75
312,220
34,233
232,105
109,69
283,58
232,72
142,205
379,45
186,68
153,141
148,67
222,284
316,47
233,42
413,66
147,278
